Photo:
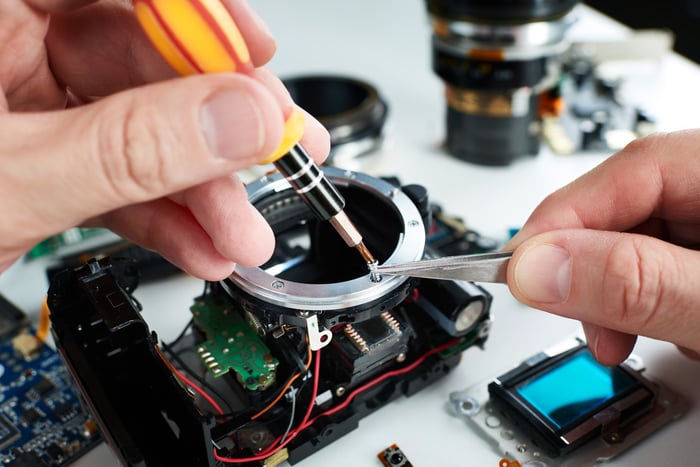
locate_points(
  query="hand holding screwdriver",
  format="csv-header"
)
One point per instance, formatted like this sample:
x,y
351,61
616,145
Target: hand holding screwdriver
x,y
95,133
200,36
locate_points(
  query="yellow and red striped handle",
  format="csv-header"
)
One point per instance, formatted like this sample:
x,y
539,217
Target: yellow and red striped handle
x,y
200,36
194,36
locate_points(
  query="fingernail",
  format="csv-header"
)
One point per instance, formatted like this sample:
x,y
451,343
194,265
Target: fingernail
x,y
232,125
543,274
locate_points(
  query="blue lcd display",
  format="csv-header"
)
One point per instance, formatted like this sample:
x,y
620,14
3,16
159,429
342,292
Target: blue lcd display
x,y
573,388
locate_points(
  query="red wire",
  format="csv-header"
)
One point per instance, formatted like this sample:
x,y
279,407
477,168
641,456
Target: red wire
x,y
287,385
305,423
190,383
273,448
379,379
199,390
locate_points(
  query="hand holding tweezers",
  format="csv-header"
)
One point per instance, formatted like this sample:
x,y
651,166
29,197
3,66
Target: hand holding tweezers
x,y
480,267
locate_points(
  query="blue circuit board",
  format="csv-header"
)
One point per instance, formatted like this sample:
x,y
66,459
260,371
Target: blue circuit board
x,y
42,422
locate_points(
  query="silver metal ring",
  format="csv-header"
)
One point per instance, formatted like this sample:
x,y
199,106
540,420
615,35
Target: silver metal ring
x,y
361,290
517,42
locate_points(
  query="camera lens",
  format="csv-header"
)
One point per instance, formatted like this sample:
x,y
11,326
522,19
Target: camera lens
x,y
497,58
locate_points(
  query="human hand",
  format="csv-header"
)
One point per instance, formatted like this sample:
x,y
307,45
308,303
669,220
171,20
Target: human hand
x,y
616,248
96,130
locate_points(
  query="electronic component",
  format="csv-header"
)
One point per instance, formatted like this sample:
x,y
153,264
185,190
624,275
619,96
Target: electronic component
x,y
362,349
450,236
592,115
41,418
559,401
40,389
28,459
28,345
562,407
321,345
8,433
231,343
393,456
31,416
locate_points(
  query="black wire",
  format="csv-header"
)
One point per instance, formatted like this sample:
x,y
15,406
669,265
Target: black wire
x,y
192,373
182,333
175,355
302,383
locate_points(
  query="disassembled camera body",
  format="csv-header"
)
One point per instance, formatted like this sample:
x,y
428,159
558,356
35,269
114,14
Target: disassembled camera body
x,y
562,408
283,359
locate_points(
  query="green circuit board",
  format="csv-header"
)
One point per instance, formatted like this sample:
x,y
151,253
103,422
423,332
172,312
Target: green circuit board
x,y
232,344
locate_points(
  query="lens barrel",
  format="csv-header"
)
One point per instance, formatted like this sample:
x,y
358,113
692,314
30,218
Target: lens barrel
x,y
501,11
496,59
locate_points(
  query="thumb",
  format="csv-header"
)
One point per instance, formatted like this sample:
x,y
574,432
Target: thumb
x,y
628,283
60,168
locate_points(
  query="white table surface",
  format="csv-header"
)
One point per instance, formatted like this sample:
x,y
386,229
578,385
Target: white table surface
x,y
387,43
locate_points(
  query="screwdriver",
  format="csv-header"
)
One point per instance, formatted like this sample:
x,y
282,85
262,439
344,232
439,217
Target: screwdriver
x,y
200,36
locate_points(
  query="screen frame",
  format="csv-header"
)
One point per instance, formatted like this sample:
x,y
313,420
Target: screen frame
x,y
635,400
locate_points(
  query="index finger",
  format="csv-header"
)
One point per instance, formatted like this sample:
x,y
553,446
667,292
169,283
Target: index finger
x,y
656,176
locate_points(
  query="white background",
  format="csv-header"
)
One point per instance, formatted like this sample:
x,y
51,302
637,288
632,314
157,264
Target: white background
x,y
387,43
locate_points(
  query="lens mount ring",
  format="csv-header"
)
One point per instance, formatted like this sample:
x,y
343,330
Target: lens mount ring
x,y
296,296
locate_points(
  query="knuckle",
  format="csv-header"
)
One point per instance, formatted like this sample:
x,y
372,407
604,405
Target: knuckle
x,y
646,145
637,276
132,153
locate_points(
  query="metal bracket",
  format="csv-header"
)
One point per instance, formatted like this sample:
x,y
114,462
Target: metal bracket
x,y
318,338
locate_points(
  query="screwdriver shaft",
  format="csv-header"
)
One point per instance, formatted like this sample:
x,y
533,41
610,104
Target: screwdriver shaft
x,y
321,196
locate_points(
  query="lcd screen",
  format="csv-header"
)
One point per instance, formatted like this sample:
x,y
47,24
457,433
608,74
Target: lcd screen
x,y
573,388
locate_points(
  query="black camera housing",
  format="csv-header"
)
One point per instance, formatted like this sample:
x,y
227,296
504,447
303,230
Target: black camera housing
x,y
377,354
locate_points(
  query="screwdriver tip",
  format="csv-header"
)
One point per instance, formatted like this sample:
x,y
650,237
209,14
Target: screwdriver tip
x,y
366,254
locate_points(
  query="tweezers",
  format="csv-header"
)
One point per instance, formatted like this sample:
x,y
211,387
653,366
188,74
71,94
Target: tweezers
x,y
480,267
